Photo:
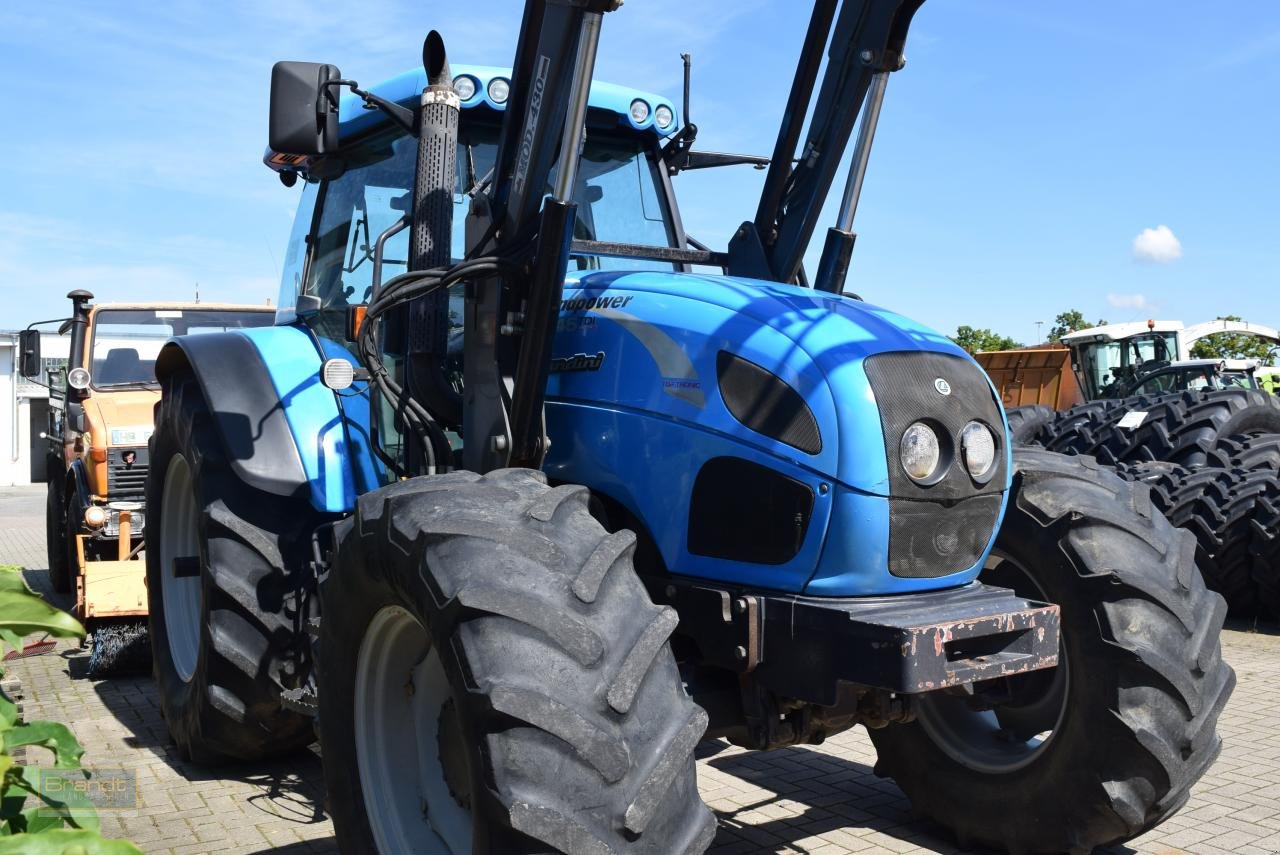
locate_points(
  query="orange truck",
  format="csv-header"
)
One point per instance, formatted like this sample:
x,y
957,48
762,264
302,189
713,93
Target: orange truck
x,y
100,419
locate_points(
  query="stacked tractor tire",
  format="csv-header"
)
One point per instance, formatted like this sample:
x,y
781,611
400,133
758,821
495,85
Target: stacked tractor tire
x,y
1212,461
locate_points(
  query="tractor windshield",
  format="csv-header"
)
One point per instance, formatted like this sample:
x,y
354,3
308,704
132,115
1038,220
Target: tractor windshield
x,y
619,199
1106,368
124,343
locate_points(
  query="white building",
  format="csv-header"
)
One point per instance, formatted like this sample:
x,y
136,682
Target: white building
x,y
24,411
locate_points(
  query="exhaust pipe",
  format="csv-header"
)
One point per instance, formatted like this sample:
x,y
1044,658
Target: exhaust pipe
x,y
431,234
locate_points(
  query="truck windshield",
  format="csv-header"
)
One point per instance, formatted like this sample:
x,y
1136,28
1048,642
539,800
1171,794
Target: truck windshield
x,y
618,195
1106,367
124,343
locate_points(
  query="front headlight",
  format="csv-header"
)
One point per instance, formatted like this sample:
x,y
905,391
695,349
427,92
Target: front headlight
x,y
978,448
920,452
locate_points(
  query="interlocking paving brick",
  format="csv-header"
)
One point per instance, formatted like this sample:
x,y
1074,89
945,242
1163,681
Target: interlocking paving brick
x,y
821,799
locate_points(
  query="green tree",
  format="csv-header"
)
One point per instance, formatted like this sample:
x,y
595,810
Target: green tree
x,y
980,340
1231,345
1069,322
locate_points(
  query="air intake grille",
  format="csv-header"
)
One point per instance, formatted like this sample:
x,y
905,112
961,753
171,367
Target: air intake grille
x,y
742,511
126,472
765,403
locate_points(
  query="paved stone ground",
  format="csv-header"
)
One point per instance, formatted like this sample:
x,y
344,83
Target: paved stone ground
x,y
811,800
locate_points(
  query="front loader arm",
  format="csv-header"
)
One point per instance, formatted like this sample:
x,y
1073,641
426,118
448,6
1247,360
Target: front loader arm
x,y
869,38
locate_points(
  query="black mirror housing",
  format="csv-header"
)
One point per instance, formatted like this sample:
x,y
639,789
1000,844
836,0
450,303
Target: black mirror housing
x,y
29,354
304,108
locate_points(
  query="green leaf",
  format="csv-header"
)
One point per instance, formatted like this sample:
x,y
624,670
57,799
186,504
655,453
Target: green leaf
x,y
65,841
24,613
39,819
66,749
11,579
60,794
8,711
11,638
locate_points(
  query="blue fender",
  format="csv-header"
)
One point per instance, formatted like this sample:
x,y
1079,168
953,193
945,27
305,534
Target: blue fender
x,y
284,432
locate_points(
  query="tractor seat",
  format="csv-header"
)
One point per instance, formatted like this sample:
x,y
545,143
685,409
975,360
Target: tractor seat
x,y
123,365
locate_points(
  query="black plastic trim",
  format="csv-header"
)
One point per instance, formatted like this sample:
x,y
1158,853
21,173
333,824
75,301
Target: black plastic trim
x,y
246,410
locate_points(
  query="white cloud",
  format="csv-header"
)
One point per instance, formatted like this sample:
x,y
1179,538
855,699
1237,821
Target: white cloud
x,y
1129,301
1159,245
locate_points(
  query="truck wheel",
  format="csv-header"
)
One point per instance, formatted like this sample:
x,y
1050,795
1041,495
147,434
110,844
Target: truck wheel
x,y
55,537
1178,428
1077,429
1266,564
1109,743
1029,425
224,579
494,678
1223,509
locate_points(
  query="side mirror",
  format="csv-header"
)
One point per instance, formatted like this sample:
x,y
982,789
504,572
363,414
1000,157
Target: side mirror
x,y
304,108
29,358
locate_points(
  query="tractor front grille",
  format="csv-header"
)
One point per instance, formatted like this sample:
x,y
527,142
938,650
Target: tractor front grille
x,y
928,539
127,472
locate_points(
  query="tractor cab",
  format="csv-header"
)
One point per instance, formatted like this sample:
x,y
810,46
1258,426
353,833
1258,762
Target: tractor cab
x,y
623,188
1107,360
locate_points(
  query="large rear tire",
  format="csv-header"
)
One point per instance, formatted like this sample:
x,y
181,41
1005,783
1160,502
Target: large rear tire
x,y
55,535
494,678
227,584
1110,742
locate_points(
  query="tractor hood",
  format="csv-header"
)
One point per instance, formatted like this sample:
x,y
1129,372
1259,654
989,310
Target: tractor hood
x,y
664,343
121,418
754,431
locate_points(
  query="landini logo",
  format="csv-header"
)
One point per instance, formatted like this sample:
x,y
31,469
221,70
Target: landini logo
x,y
578,362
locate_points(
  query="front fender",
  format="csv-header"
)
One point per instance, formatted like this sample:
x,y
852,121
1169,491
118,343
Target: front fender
x,y
282,430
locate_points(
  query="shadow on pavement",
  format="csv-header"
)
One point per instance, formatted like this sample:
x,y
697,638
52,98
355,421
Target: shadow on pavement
x,y
291,788
311,847
831,794
1253,625
822,793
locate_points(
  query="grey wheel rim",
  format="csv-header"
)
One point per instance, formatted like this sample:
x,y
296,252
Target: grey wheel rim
x,y
181,595
401,695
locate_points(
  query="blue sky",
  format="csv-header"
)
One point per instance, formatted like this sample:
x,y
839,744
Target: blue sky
x,y
1020,154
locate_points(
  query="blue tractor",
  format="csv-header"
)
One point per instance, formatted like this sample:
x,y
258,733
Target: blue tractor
x,y
516,503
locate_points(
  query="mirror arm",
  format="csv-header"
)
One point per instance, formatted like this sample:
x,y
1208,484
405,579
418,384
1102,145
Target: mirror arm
x,y
402,116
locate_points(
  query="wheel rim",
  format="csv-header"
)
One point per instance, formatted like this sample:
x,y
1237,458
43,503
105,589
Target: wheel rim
x,y
402,698
1005,738
180,538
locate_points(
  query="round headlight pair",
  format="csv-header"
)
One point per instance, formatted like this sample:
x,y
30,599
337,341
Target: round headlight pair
x,y
920,452
465,85
663,117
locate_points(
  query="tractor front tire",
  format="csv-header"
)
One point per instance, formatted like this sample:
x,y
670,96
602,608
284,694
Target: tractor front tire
x,y
226,571
55,535
494,678
1109,743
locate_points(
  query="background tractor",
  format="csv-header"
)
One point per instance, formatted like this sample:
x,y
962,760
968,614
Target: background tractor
x,y
1122,360
100,419
515,507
